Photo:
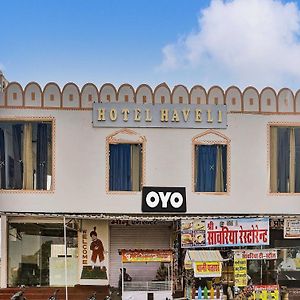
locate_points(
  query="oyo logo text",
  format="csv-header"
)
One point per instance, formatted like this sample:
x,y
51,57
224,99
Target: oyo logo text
x,y
163,199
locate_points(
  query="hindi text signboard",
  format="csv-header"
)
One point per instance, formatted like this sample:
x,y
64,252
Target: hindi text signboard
x,y
240,272
130,256
207,269
256,254
224,232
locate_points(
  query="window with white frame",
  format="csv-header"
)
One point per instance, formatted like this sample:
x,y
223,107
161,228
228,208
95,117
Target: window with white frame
x,y
210,163
25,155
284,159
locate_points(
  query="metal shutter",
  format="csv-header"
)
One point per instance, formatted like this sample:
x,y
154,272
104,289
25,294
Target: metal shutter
x,y
136,237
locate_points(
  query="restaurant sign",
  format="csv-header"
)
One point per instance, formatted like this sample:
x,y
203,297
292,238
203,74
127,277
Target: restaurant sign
x,y
224,232
207,269
132,115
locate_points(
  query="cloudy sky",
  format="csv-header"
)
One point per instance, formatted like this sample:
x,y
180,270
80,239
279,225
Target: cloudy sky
x,y
218,42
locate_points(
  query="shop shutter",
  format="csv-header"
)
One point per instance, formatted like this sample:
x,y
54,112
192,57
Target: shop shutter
x,y
136,237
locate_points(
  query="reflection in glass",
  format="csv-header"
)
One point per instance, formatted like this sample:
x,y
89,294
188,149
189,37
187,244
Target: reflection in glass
x,y
35,250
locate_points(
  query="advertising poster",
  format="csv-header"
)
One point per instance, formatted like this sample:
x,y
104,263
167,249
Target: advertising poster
x,y
292,228
224,232
192,233
240,272
93,252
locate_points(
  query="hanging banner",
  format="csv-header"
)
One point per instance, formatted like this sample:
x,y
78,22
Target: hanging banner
x,y
129,256
256,254
240,272
93,257
224,232
292,228
207,269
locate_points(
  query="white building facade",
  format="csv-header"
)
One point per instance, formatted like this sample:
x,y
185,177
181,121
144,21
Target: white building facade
x,y
73,182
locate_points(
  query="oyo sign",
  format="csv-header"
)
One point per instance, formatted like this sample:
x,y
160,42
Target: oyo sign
x,y
163,199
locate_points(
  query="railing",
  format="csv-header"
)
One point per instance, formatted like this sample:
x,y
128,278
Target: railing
x,y
147,286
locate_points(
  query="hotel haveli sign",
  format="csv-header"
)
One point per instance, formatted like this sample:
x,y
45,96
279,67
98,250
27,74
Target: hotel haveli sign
x,y
159,115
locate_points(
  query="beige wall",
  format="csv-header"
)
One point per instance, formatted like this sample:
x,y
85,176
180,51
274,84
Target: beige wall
x,y
80,167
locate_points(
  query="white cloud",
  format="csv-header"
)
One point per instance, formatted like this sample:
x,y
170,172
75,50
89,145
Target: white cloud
x,y
241,42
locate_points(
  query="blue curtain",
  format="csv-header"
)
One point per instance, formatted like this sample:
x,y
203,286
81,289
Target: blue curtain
x,y
120,167
224,165
297,166
42,156
206,176
283,159
2,160
17,150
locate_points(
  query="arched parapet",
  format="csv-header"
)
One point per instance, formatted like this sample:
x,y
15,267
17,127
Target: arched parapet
x,y
251,99
33,95
14,95
71,96
52,96
162,94
144,94
215,95
198,95
180,94
126,93
108,93
89,95
233,99
268,100
286,101
297,102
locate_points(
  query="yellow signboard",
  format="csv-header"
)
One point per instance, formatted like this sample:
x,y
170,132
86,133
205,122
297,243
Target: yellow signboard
x,y
240,272
208,269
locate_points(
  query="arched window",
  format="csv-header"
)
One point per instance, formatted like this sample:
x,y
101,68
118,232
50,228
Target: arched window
x,y
125,161
210,166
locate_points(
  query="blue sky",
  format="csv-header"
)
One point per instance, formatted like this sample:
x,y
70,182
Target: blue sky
x,y
141,41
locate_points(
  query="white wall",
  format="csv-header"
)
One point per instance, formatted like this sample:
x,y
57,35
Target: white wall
x,y
80,168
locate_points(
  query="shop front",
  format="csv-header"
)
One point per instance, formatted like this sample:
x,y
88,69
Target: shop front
x,y
36,249
137,234
229,258
160,286
36,252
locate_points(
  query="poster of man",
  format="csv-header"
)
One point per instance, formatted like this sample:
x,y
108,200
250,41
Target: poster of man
x,y
94,253
97,249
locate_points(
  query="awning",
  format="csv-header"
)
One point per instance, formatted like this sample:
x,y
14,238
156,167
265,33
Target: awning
x,y
205,263
202,255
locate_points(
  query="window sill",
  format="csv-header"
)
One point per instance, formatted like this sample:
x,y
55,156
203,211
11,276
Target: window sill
x,y
21,191
212,193
123,192
283,194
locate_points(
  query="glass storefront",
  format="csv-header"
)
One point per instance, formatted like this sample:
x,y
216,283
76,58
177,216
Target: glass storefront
x,y
288,265
36,254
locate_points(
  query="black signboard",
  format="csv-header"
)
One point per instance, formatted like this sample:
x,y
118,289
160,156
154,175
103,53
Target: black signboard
x,y
163,199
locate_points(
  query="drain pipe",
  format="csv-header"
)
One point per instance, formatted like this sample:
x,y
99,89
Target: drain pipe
x,y
66,267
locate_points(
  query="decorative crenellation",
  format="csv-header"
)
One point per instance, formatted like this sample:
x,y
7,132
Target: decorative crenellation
x,y
71,97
